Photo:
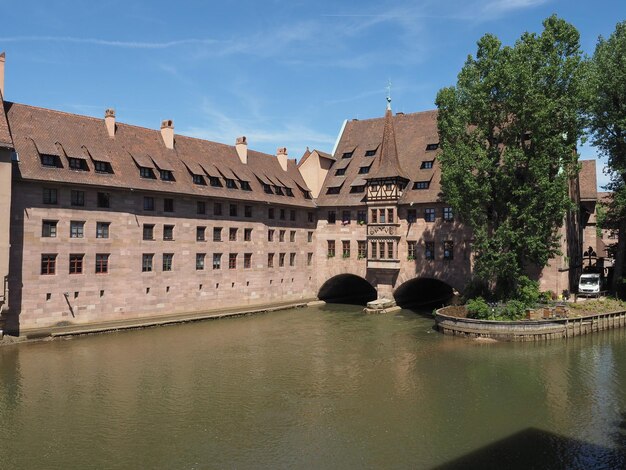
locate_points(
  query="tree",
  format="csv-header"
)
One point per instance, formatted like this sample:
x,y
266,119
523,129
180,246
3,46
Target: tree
x,y
508,132
607,122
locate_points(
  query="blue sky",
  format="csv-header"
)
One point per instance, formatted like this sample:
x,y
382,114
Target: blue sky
x,y
283,73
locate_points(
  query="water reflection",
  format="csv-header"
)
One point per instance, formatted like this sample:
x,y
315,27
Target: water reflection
x,y
317,387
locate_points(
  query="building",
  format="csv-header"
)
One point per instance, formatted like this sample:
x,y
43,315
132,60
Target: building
x,y
104,221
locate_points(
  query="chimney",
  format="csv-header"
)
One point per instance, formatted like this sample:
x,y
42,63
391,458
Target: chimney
x,y
2,74
241,144
109,121
281,154
167,132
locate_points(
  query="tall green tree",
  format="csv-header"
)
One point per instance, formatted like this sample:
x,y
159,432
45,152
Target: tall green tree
x,y
607,113
508,132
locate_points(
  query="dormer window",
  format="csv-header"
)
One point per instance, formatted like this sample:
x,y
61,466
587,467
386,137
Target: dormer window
x,y
146,172
214,181
289,192
278,190
49,160
267,188
347,154
364,170
230,183
421,185
426,165
371,153
102,167
166,175
432,146
199,179
306,194
77,164
333,190
245,185
357,189
340,172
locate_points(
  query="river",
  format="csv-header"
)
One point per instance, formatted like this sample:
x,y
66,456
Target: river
x,y
319,387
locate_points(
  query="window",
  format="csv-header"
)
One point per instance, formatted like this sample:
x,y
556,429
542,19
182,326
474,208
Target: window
x,y
48,160
309,259
374,251
381,216
233,210
230,183
374,217
270,235
411,216
247,260
77,229
292,236
332,217
427,165
247,234
102,167
361,249
292,259
49,228
331,249
432,146
410,247
76,263
448,216
270,213
340,172
77,164
345,217
345,248
245,185
232,234
102,263
217,208
166,175
309,237
421,185
77,198
200,234
371,153
232,260
48,263
381,250
390,216
270,260
429,250
282,214
168,232
292,215
167,261
217,234
310,217
364,170
267,188
448,250
148,203
278,190
333,190
390,251
361,217
198,179
145,172
429,215
200,207
104,200
281,260
146,262
200,261
289,192
347,154
281,235
102,229
247,211
168,205
214,181
217,260
49,196
148,231
357,189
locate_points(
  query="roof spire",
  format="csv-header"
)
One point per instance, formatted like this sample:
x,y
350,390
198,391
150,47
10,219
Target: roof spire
x,y
388,95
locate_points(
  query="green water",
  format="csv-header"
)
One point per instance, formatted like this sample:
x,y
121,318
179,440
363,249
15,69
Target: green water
x,y
324,387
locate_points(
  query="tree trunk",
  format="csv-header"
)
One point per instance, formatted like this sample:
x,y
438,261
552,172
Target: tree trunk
x,y
618,267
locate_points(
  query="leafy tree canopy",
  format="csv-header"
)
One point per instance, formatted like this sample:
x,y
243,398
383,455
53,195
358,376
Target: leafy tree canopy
x,y
508,131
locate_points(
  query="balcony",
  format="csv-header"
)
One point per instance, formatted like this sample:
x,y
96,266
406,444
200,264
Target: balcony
x,y
375,263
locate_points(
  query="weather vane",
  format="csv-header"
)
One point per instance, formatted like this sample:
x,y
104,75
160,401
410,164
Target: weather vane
x,y
389,94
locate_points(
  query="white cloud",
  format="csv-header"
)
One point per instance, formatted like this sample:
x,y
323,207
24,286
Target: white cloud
x,y
105,42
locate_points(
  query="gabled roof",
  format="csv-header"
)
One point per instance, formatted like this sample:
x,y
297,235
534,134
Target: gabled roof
x,y
308,153
5,134
34,127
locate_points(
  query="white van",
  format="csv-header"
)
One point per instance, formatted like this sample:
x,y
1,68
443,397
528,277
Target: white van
x,y
590,284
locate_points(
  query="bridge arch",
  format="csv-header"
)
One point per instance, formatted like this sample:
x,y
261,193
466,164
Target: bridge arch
x,y
423,291
347,288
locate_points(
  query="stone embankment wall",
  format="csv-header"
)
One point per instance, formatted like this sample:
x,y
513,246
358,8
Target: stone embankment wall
x,y
528,330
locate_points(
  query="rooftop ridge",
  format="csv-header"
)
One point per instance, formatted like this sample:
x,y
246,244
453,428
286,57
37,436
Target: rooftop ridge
x,y
428,111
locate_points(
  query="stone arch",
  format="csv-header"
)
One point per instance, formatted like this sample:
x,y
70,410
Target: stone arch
x,y
347,288
423,291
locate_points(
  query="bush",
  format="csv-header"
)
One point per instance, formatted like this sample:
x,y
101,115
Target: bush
x,y
527,291
478,308
513,310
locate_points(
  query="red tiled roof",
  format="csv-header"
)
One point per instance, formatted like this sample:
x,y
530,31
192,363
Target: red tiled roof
x,y
37,128
388,165
588,182
5,134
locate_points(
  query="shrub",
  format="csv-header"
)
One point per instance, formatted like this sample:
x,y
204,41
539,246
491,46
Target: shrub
x,y
527,292
513,310
478,308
